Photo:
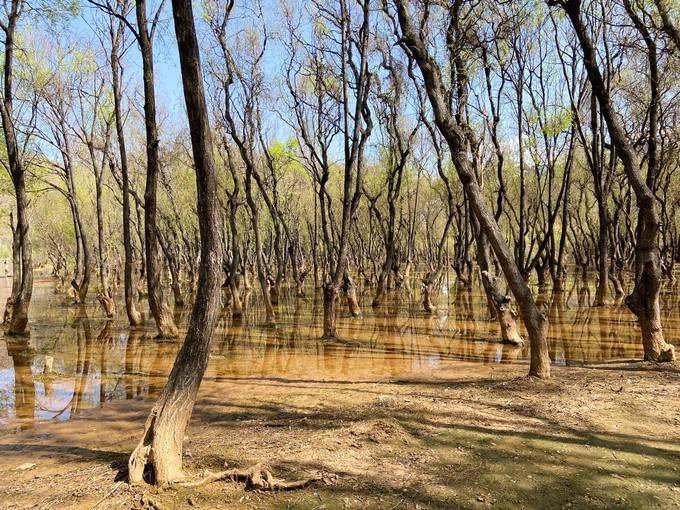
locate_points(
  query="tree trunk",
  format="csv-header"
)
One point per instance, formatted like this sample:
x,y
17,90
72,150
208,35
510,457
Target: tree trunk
x,y
350,290
535,322
540,269
134,317
384,272
484,262
380,289
299,273
161,444
234,278
602,290
274,286
16,271
105,295
330,296
270,318
407,275
84,285
429,281
614,276
173,266
506,315
236,305
164,321
18,324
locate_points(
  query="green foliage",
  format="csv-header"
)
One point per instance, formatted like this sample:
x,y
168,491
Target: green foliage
x,y
56,12
558,121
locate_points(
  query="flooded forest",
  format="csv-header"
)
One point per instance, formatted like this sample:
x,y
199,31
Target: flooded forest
x,y
339,254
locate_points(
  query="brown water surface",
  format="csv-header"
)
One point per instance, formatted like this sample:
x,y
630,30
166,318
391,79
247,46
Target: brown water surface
x,y
76,360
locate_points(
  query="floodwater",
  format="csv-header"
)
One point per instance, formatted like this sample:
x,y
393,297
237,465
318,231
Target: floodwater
x,y
75,359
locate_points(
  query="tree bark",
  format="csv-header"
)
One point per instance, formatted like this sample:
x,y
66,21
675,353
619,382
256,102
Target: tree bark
x,y
161,314
161,444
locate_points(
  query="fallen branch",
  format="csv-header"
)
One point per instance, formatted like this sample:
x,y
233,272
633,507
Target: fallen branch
x,y
115,487
256,477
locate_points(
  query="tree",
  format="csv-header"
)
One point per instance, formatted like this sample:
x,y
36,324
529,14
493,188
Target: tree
x,y
161,444
535,322
644,300
21,301
144,34
116,31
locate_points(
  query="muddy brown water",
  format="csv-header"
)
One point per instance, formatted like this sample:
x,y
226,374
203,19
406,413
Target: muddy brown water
x,y
75,359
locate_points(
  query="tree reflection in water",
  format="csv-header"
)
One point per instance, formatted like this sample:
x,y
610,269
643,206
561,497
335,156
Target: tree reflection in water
x,y
76,360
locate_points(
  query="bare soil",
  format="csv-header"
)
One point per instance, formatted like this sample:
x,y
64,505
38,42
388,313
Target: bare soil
x,y
604,436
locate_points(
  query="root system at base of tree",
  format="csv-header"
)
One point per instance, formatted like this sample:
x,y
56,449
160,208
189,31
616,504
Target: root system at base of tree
x,y
257,477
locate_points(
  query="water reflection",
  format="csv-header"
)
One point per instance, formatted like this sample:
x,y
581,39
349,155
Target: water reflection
x,y
75,359
22,393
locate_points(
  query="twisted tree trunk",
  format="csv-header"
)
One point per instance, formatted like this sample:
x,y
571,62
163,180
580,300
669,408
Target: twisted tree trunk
x,y
504,312
535,322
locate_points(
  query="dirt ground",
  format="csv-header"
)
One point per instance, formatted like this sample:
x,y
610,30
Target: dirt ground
x,y
605,436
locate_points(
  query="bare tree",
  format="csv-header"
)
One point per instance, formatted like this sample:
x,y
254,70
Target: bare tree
x,y
161,444
454,134
21,301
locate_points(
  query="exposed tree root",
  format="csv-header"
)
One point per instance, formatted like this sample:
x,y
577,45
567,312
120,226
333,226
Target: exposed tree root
x,y
140,455
255,477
